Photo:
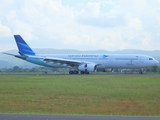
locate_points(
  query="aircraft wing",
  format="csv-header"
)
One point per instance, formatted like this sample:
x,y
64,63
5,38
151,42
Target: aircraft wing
x,y
63,61
69,62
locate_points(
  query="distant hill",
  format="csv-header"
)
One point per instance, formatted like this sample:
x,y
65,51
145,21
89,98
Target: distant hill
x,y
9,61
5,64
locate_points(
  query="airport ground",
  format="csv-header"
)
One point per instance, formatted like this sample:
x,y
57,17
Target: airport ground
x,y
72,117
131,95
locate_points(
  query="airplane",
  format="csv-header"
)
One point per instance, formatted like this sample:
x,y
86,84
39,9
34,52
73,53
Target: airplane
x,y
83,63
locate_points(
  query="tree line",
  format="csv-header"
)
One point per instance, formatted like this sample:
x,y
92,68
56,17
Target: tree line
x,y
33,69
153,69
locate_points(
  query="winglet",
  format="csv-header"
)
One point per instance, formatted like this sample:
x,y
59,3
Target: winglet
x,y
23,47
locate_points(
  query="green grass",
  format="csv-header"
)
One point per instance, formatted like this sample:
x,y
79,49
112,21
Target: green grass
x,y
136,95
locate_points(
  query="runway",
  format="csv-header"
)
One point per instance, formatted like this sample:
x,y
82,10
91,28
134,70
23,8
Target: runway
x,y
71,117
130,75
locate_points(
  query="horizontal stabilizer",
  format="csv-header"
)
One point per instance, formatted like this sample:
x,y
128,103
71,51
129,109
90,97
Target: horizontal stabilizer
x,y
18,56
8,54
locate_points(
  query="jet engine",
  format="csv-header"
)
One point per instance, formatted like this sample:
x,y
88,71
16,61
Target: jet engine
x,y
87,67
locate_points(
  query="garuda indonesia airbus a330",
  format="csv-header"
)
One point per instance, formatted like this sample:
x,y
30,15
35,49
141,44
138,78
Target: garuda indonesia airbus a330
x,y
83,63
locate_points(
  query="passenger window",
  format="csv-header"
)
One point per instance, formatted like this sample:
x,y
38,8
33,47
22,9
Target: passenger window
x,y
150,58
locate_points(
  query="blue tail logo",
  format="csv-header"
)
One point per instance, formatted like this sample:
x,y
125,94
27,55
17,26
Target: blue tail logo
x,y
104,56
23,47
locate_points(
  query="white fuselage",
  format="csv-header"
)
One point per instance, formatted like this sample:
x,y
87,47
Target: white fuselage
x,y
102,61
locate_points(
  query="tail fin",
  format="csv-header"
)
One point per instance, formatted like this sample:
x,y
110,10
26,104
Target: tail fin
x,y
23,47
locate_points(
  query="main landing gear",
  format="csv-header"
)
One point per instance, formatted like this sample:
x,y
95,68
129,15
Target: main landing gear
x,y
84,72
75,72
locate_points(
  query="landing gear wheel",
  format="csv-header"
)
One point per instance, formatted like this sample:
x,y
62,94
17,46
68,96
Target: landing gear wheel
x,y
86,72
141,71
82,72
70,72
75,72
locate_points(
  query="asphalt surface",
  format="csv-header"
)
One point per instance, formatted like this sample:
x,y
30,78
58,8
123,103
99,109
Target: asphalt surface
x,y
71,117
79,75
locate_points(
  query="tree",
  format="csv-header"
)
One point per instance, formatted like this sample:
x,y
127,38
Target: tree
x,y
16,69
154,68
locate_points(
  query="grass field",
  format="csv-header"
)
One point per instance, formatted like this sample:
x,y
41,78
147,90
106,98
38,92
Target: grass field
x,y
98,95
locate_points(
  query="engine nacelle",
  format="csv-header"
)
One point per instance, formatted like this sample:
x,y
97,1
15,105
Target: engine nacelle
x,y
88,67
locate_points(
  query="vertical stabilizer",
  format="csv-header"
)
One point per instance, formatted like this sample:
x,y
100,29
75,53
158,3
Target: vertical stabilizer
x,y
23,47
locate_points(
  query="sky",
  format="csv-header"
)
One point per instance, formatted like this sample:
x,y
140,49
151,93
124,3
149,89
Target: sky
x,y
81,24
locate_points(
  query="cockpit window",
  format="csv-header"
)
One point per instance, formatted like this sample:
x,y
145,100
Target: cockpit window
x,y
150,58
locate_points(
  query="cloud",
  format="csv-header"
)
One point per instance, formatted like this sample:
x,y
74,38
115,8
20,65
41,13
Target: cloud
x,y
81,24
4,31
135,23
91,15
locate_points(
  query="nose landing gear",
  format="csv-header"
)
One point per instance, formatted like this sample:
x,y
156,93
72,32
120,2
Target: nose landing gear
x,y
141,71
